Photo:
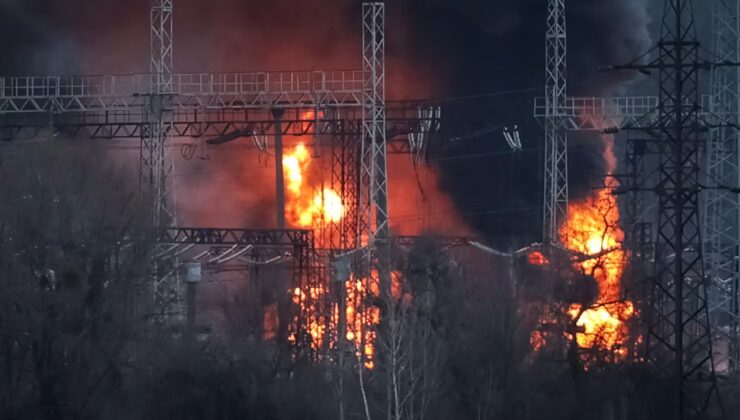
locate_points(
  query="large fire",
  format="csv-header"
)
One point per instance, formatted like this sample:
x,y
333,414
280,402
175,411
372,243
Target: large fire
x,y
592,229
362,319
310,207
306,205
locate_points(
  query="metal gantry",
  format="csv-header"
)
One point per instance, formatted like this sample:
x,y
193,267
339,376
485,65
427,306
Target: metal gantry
x,y
555,206
721,209
348,106
251,247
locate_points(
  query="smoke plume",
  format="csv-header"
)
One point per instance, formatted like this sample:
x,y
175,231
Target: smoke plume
x,y
462,49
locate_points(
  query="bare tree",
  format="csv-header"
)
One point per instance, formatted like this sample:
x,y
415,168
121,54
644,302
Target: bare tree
x,y
69,280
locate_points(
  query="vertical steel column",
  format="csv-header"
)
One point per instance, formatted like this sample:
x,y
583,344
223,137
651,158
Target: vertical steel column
x,y
277,114
157,164
722,207
555,208
156,161
373,217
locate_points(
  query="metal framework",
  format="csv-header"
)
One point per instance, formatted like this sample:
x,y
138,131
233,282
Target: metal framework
x,y
161,105
373,197
555,208
157,163
345,181
307,308
639,211
618,113
679,341
218,236
721,206
404,119
161,45
680,333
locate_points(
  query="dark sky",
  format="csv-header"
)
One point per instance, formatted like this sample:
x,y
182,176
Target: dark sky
x,y
436,48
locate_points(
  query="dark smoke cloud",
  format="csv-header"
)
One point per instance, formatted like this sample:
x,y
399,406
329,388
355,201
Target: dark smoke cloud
x,y
436,48
498,46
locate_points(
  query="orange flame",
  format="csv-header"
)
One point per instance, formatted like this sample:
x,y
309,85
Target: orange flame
x,y
537,258
310,207
306,207
362,317
593,229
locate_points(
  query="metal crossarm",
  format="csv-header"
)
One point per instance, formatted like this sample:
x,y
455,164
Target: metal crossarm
x,y
226,236
202,91
403,118
621,113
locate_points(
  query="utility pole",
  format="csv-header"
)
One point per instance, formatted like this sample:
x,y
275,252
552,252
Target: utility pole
x,y
555,208
679,342
721,206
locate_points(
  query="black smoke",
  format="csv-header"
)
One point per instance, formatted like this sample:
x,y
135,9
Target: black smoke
x,y
483,58
498,47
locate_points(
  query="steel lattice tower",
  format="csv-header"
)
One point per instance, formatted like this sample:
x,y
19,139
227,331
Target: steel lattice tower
x,y
721,206
157,164
679,341
555,208
373,198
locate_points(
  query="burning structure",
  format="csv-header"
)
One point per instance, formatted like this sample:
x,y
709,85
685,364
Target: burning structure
x,y
332,282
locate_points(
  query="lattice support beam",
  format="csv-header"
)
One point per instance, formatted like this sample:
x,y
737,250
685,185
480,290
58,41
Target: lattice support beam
x,y
160,64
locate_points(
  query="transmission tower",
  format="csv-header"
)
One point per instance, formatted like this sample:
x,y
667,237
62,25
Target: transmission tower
x,y
157,164
555,208
373,211
721,206
679,341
